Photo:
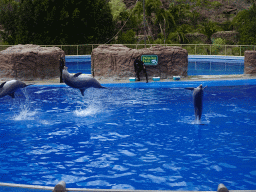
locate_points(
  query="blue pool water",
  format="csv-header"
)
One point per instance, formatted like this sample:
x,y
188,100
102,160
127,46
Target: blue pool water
x,y
130,136
81,63
215,65
197,64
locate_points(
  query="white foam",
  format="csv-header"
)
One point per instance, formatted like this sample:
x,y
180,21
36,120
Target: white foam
x,y
25,114
89,111
191,121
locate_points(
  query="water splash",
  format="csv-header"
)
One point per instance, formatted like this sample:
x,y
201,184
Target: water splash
x,y
25,114
190,120
89,111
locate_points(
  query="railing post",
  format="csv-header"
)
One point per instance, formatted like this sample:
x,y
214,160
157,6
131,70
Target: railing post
x,y
195,49
210,49
225,50
240,51
77,50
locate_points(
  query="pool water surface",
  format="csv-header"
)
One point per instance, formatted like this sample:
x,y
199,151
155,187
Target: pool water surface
x,y
197,64
129,138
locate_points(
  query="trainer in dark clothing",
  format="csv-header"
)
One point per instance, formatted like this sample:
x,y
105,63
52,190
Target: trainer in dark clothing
x,y
138,67
62,65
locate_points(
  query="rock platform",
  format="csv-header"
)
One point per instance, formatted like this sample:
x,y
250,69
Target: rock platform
x,y
117,61
30,62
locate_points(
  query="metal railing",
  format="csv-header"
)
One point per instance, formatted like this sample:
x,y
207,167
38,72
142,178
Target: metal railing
x,y
193,49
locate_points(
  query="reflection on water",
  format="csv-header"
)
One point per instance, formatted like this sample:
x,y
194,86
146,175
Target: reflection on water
x,y
125,138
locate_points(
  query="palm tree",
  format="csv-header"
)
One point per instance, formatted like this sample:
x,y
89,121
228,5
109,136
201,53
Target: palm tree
x,y
208,29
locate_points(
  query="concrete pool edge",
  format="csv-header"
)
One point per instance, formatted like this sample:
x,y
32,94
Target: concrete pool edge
x,y
166,83
46,188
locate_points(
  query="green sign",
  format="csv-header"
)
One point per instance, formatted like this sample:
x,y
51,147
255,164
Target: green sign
x,y
149,59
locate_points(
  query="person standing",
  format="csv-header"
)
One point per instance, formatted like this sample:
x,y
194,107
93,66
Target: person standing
x,y
62,65
138,67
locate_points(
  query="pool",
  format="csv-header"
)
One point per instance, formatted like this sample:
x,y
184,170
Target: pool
x,y
215,65
79,63
197,64
130,136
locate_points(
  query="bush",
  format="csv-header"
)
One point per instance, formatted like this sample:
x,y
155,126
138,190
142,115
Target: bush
x,y
218,48
219,41
127,38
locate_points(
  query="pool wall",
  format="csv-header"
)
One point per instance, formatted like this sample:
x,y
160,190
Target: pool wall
x,y
197,64
35,188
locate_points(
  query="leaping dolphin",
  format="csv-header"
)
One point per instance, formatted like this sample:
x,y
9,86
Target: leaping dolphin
x,y
9,87
198,100
79,82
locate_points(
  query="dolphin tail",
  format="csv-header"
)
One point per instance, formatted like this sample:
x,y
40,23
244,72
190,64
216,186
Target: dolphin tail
x,y
12,95
82,91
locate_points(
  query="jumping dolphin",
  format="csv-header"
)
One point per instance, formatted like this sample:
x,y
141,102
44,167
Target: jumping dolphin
x,y
79,82
9,87
198,100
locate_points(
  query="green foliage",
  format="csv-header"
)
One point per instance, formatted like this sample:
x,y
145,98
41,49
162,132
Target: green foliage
x,y
218,47
245,24
216,4
226,26
57,22
180,12
8,18
87,21
160,39
116,6
152,6
208,29
194,17
219,41
179,36
236,51
127,38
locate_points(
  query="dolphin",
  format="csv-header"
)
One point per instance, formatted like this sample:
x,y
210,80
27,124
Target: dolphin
x,y
79,82
9,87
198,93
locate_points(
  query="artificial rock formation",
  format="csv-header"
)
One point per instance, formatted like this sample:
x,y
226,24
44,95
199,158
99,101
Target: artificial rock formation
x,y
117,61
250,62
29,62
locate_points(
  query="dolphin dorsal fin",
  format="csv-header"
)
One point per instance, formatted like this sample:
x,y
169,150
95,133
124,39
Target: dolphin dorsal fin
x,y
82,91
1,86
11,94
77,74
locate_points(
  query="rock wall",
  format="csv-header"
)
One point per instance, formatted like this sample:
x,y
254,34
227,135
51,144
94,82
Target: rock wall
x,y
29,62
117,61
250,62
231,37
196,37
